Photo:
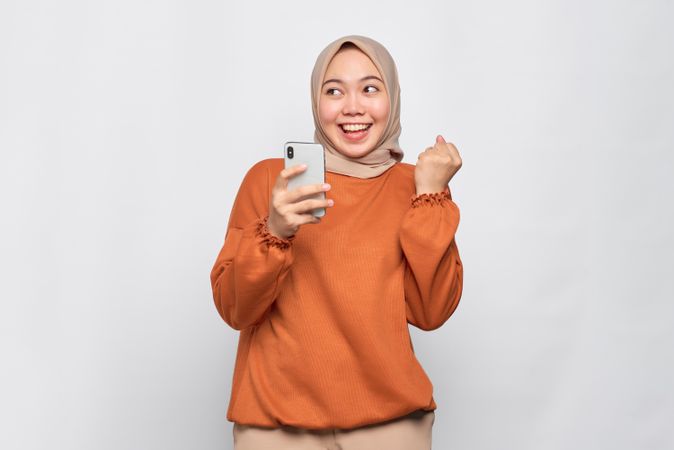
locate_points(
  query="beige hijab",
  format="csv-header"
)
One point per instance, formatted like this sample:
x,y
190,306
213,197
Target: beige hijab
x,y
387,151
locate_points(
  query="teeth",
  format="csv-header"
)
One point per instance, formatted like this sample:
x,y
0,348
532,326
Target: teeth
x,y
350,127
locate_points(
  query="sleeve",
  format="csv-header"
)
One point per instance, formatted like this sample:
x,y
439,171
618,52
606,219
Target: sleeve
x,y
433,269
250,268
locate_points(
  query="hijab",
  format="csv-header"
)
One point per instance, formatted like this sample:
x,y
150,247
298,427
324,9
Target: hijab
x,y
387,151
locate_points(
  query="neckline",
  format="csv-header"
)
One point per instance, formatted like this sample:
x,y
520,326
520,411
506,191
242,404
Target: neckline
x,y
382,175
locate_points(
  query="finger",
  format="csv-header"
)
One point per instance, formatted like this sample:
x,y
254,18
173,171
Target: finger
x,y
306,206
287,173
446,147
312,219
440,143
305,218
453,151
306,190
423,154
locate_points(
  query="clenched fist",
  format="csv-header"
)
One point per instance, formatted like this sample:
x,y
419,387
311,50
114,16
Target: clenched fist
x,y
436,166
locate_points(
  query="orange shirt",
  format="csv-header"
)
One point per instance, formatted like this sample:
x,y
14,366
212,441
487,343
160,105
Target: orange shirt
x,y
324,341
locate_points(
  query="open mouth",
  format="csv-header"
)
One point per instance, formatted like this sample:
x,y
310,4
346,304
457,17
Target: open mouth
x,y
355,129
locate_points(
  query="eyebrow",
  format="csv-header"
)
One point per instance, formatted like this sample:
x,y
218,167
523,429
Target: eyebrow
x,y
369,77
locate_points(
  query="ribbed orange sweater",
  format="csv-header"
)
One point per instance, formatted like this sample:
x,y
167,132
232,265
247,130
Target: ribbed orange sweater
x,y
324,341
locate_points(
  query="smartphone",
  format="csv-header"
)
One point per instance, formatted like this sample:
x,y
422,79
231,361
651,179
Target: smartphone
x,y
313,155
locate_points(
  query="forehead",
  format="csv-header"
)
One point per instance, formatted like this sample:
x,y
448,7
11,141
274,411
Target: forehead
x,y
350,63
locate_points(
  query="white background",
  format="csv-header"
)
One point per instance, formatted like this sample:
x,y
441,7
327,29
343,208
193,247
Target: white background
x,y
127,126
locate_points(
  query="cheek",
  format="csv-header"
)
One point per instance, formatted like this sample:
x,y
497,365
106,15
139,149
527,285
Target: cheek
x,y
381,110
327,112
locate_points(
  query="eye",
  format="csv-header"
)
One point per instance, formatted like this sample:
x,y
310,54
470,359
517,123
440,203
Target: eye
x,y
373,87
328,91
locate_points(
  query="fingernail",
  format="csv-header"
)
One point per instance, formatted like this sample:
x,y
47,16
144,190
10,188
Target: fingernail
x,y
326,186
331,202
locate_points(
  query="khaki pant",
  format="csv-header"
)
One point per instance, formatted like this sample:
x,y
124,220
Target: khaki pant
x,y
411,432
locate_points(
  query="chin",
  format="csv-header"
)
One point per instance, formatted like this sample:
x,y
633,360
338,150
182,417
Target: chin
x,y
352,152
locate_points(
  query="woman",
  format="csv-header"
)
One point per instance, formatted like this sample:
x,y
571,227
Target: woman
x,y
325,359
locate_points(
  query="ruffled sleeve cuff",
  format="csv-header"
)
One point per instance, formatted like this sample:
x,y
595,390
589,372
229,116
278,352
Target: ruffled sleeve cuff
x,y
263,233
430,199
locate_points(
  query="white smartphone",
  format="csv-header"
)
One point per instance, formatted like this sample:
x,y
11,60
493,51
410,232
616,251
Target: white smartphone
x,y
313,155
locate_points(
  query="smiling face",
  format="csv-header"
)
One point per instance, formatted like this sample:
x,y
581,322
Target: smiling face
x,y
353,105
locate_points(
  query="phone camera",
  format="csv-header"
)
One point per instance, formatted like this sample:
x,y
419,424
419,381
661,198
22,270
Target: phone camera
x,y
290,152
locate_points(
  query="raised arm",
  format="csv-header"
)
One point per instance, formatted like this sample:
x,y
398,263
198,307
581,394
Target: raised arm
x,y
433,270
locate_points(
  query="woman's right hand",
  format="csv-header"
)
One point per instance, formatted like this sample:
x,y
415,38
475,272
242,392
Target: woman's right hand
x,y
290,209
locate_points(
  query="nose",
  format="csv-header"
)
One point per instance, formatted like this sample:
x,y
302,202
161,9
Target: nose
x,y
352,105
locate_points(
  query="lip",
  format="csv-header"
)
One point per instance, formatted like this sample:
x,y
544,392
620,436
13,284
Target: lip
x,y
341,125
357,136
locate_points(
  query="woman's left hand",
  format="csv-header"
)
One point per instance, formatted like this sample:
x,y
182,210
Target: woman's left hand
x,y
436,166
